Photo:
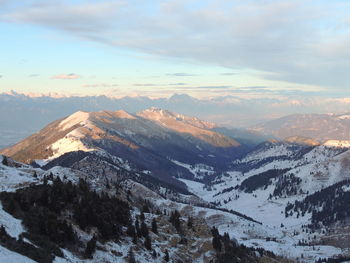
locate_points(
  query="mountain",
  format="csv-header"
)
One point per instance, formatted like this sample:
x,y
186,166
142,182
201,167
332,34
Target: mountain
x,y
21,115
320,127
152,140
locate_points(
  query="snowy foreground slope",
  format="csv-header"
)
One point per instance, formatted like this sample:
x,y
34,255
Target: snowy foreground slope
x,y
264,231
193,243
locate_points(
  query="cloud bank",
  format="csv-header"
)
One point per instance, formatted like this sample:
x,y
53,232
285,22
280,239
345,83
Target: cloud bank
x,y
296,41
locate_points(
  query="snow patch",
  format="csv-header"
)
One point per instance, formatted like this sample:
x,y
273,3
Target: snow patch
x,y
9,256
80,117
12,225
338,143
68,144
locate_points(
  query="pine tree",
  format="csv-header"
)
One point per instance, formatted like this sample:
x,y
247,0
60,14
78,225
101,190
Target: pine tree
x,y
2,231
154,226
5,161
166,256
130,230
216,243
131,256
190,222
45,180
145,208
216,239
90,247
144,229
175,220
134,238
137,227
142,216
148,243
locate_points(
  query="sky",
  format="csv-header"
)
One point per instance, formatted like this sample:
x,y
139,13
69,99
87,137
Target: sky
x,y
243,48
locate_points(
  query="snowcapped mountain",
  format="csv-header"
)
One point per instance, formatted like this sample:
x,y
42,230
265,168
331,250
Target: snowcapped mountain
x,y
321,127
150,140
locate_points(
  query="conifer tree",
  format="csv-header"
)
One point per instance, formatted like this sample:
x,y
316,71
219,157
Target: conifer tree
x,y
154,226
166,256
190,222
144,229
148,243
90,247
131,256
137,227
5,161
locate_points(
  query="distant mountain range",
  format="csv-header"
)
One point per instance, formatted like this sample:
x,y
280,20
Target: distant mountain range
x,y
321,127
22,115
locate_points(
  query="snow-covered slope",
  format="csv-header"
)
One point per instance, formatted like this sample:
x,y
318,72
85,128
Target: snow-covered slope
x,y
316,167
196,248
266,180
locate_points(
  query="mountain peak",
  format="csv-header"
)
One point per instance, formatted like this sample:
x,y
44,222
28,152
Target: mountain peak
x,y
77,118
183,97
122,114
156,113
89,131
163,116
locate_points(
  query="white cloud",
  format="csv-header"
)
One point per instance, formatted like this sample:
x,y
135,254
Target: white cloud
x,y
66,76
100,85
180,74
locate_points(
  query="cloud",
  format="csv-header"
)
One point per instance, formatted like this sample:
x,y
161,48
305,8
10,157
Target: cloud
x,y
177,84
293,40
213,87
84,18
254,87
101,85
158,85
33,75
180,74
228,74
66,76
146,85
